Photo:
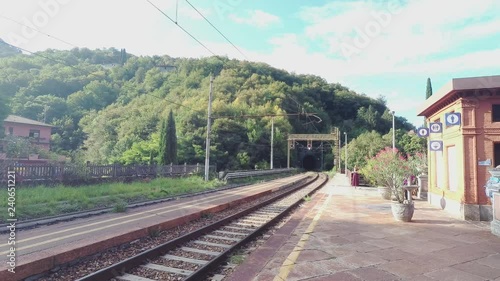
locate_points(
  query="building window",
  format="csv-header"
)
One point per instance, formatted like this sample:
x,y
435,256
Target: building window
x,y
496,160
495,113
34,134
11,131
452,168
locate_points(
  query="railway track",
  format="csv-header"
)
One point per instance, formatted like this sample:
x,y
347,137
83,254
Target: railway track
x,y
197,254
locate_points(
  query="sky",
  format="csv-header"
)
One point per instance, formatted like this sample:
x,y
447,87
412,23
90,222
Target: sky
x,y
379,48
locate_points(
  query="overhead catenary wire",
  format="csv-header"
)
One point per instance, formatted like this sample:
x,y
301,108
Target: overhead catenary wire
x,y
39,31
227,39
182,28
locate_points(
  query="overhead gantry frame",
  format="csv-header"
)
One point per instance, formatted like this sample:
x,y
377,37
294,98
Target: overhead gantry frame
x,y
334,136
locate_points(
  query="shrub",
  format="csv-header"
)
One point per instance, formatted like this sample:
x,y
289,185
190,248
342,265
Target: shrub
x,y
392,169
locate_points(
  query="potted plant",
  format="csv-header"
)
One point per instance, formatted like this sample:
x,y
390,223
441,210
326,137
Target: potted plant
x,y
396,172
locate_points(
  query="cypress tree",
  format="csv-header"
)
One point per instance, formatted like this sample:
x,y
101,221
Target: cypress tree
x,y
163,143
171,140
428,92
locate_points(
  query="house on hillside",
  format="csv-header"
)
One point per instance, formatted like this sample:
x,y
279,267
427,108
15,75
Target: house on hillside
x,y
37,132
464,143
166,68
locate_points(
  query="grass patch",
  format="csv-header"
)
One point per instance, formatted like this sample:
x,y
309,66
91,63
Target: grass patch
x,y
120,207
331,173
43,201
237,258
154,233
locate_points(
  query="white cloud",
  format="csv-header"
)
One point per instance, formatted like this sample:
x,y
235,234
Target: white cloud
x,y
256,18
410,32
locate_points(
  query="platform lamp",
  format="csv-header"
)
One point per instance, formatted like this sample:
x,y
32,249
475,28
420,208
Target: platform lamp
x,y
393,133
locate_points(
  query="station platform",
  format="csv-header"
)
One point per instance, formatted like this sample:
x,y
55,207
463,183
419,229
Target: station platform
x,y
41,249
350,234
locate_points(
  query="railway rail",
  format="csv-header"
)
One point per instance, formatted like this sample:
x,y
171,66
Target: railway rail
x,y
198,254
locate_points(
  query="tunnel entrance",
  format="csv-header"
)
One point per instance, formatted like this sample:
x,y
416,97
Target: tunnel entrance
x,y
309,162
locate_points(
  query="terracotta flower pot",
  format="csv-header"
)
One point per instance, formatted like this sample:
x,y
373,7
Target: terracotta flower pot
x,y
402,212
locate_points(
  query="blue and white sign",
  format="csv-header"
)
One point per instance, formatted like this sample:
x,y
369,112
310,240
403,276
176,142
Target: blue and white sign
x,y
436,145
436,127
453,118
423,132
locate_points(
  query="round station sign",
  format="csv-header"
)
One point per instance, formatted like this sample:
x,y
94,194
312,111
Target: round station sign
x,y
423,132
436,127
436,145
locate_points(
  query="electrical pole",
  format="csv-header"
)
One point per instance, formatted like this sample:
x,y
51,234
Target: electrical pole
x,y
272,140
345,166
207,148
321,156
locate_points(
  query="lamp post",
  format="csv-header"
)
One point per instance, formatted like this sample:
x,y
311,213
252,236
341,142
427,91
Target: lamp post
x,y
345,163
393,134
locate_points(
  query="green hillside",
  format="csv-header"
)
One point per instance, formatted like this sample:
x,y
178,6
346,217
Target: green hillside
x,y
108,107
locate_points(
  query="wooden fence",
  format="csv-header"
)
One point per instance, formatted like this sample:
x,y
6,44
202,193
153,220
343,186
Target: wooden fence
x,y
41,173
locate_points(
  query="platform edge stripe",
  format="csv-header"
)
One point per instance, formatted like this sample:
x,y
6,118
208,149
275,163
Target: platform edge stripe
x,y
189,260
222,238
226,246
168,269
131,277
194,250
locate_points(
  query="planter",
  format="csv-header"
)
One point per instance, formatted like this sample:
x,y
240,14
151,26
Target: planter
x,y
402,212
385,192
494,172
495,223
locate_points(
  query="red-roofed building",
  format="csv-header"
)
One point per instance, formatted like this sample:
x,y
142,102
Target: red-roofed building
x,y
466,147
38,132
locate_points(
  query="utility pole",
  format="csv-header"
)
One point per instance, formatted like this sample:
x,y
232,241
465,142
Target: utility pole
x,y
345,166
321,156
272,140
207,148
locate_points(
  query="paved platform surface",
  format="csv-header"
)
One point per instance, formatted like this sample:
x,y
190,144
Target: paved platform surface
x,y
348,234
40,249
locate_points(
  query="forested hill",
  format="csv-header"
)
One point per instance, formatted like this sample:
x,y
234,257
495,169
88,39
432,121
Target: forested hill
x,y
107,106
7,50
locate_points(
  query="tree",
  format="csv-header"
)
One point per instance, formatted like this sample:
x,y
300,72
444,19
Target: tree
x,y
363,147
428,92
4,111
168,141
171,139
